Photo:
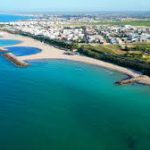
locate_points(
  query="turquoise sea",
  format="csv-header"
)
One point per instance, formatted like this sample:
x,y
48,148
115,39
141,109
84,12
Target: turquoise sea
x,y
65,105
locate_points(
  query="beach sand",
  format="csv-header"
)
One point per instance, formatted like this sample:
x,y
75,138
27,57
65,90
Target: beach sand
x,y
50,52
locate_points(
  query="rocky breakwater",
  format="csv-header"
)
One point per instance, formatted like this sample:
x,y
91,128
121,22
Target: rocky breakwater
x,y
3,49
11,57
139,79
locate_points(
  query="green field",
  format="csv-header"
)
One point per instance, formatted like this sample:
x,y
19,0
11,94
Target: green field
x,y
114,22
134,51
134,56
125,22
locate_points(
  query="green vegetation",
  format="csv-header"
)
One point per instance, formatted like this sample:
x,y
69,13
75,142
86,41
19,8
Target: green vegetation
x,y
114,22
126,22
110,49
137,23
139,51
137,60
56,43
143,47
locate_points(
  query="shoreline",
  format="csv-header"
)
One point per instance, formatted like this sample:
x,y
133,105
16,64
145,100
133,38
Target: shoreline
x,y
50,52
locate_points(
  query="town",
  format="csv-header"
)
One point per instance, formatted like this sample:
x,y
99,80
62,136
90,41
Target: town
x,y
82,30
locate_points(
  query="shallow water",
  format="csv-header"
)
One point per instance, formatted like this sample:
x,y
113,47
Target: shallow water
x,y
66,105
8,42
23,51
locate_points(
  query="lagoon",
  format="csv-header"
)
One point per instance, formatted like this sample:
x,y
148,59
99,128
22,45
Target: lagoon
x,y
8,42
23,51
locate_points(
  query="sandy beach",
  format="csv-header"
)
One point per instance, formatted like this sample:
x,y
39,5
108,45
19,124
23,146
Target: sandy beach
x,y
50,52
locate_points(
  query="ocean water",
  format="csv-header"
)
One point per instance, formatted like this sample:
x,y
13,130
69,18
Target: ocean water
x,y
10,18
64,105
23,51
8,42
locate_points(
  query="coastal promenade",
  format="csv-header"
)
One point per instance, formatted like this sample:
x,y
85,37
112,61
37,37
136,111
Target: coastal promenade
x,y
50,52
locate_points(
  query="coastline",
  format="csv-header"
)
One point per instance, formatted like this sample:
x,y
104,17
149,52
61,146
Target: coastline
x,y
50,52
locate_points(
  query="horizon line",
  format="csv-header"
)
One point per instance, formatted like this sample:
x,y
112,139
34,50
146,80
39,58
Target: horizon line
x,y
57,11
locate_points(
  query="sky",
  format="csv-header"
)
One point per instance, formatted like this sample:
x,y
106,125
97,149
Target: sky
x,y
75,5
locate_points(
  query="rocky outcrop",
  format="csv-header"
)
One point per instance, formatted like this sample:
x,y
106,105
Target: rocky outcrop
x,y
137,79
